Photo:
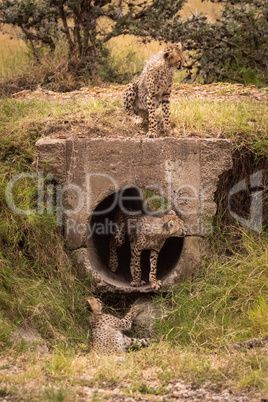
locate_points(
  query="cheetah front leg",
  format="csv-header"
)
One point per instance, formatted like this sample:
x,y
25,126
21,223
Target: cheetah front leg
x,y
117,240
152,119
153,270
113,259
135,265
166,111
126,322
129,98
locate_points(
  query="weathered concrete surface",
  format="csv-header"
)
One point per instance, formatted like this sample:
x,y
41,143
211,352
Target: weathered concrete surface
x,y
183,170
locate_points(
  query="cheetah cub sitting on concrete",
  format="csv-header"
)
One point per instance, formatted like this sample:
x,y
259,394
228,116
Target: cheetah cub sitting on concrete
x,y
153,87
107,330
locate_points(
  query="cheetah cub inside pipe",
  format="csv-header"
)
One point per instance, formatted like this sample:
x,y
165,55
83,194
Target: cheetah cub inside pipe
x,y
153,87
145,232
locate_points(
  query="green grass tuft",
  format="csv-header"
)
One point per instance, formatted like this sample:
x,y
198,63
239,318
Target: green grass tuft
x,y
56,394
245,123
37,284
227,303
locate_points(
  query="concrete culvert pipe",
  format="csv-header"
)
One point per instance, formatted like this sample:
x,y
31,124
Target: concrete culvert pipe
x,y
99,244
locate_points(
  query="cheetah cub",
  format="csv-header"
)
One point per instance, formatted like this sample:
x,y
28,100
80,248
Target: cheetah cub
x,y
153,87
145,232
107,330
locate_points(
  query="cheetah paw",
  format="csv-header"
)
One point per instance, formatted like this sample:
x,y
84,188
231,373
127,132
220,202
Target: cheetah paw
x,y
113,267
137,283
145,341
156,285
137,309
151,134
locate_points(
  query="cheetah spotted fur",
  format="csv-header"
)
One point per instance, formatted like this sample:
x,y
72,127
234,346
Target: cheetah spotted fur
x,y
107,330
153,87
146,232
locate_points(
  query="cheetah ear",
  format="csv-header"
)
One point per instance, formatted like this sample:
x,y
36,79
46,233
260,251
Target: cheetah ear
x,y
166,54
89,300
165,227
172,212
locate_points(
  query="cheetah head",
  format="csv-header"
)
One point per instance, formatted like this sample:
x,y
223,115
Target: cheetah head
x,y
174,226
173,56
95,304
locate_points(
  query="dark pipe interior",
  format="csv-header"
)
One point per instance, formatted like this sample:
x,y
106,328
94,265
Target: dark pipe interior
x,y
168,256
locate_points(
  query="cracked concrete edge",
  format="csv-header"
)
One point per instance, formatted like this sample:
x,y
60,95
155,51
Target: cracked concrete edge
x,y
51,157
215,158
52,153
84,267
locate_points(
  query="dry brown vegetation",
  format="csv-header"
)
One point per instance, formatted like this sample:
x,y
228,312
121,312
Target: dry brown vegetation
x,y
158,373
217,110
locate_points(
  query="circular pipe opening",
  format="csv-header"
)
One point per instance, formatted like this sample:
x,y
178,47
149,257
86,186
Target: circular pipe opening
x,y
101,228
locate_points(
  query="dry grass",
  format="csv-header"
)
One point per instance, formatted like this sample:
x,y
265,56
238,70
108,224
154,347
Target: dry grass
x,y
212,10
13,56
244,122
98,112
152,373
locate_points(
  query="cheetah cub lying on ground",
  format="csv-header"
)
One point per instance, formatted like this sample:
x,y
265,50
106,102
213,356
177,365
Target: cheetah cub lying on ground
x,y
146,232
153,87
107,330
